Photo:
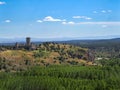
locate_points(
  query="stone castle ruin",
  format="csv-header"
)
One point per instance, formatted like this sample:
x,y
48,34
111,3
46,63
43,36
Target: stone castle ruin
x,y
28,45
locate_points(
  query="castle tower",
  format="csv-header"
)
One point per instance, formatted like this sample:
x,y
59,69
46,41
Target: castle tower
x,y
28,41
16,45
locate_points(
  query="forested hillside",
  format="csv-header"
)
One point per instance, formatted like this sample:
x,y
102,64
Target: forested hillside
x,y
104,48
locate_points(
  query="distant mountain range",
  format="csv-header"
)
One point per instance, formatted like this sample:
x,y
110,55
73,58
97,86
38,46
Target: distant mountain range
x,y
13,40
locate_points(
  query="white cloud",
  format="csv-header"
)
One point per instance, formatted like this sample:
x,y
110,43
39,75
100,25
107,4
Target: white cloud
x,y
82,17
1,3
51,19
104,24
70,23
103,11
7,21
88,18
106,11
64,22
77,17
39,21
101,23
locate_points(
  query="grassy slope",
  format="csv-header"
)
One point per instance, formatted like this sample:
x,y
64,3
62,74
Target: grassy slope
x,y
46,54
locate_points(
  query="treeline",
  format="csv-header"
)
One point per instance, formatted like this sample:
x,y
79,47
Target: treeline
x,y
109,48
111,62
104,77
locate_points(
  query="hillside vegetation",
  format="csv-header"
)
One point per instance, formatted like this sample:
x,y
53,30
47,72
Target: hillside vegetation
x,y
57,67
45,55
104,48
63,78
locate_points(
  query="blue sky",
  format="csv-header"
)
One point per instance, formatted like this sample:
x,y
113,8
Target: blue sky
x,y
59,18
